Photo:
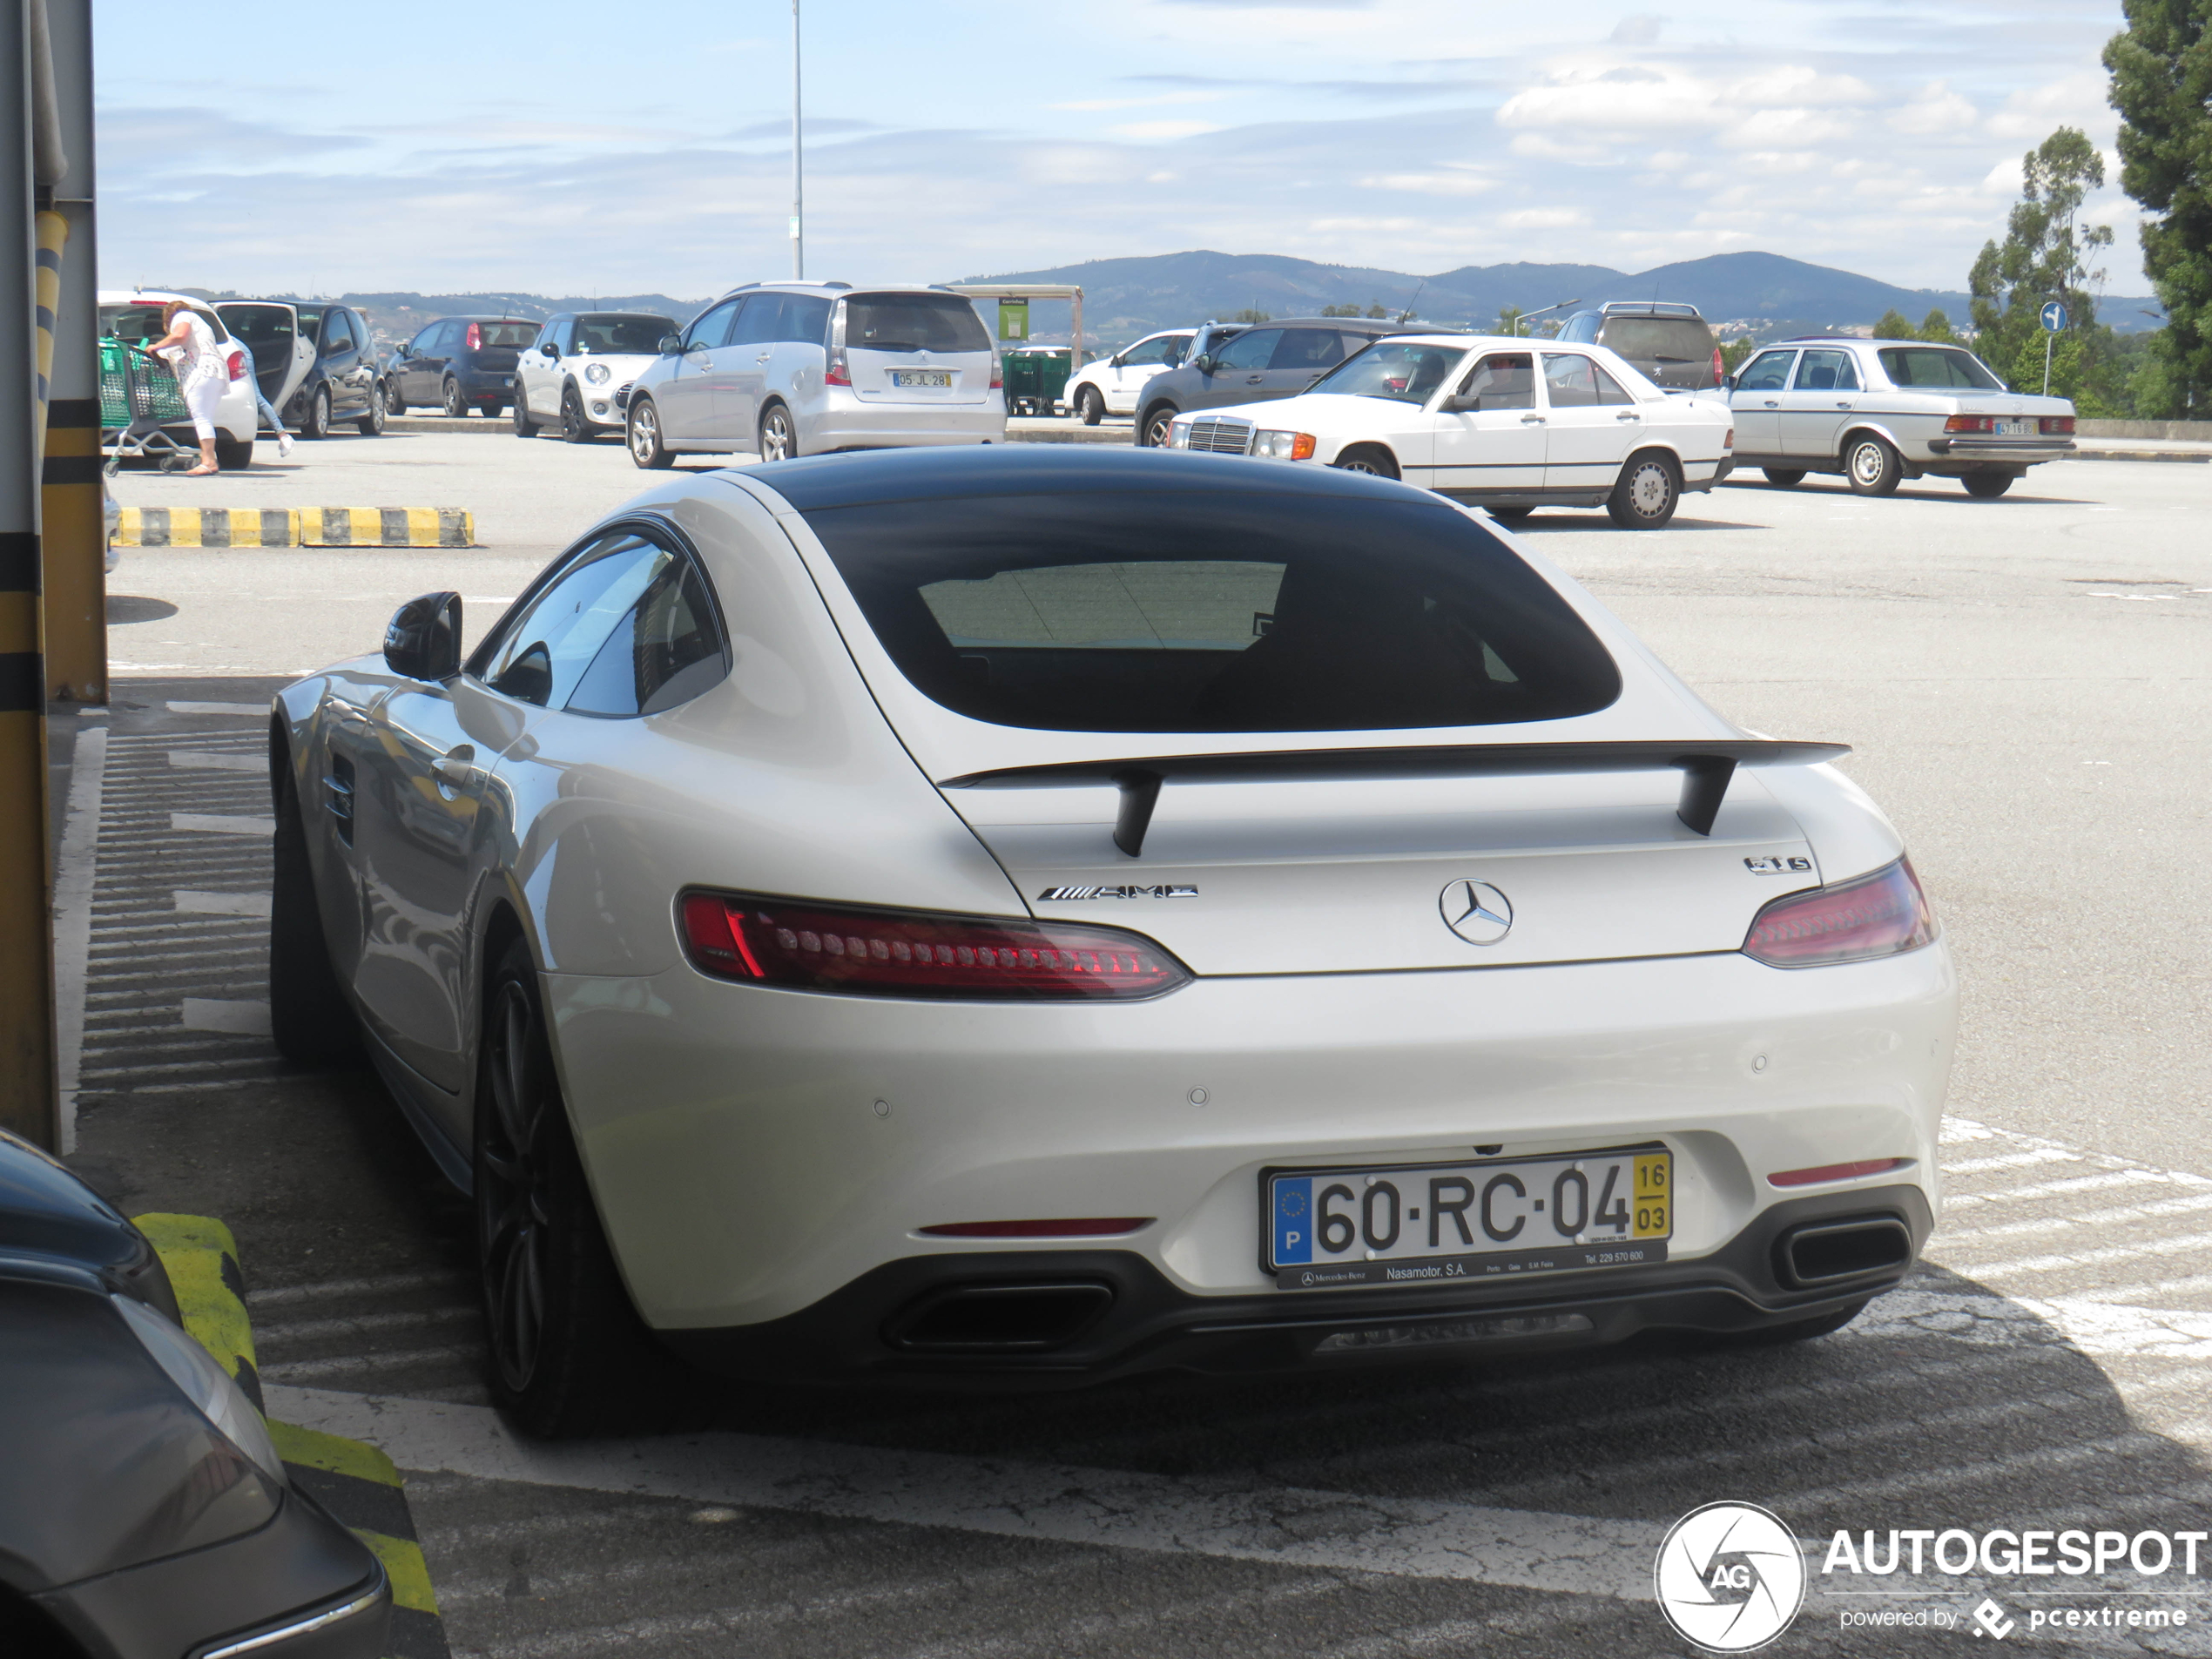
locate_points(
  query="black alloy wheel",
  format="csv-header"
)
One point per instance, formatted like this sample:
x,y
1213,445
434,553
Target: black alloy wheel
x,y
316,422
574,428
1982,486
310,1020
1152,430
570,1356
644,436
524,426
1371,459
1645,496
1872,466
1784,477
778,441
451,401
395,400
371,424
1090,408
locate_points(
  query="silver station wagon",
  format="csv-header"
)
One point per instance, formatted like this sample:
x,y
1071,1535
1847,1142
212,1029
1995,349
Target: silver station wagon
x,y
1882,411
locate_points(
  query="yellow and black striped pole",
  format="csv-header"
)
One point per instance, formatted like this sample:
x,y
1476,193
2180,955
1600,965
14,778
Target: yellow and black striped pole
x,y
72,522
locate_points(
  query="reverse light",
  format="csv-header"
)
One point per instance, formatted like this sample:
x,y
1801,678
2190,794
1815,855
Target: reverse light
x,y
476,338
597,373
819,947
1072,1227
1822,1175
2057,426
1882,914
1280,446
1970,423
998,370
837,371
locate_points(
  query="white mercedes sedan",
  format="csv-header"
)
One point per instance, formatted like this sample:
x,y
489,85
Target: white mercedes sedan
x,y
1022,916
1511,425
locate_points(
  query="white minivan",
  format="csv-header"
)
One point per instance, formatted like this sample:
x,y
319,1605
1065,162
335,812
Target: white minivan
x,y
791,369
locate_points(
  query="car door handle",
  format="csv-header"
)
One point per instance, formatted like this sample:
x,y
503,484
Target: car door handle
x,y
1254,379
1628,414
1771,404
1843,406
1532,420
457,768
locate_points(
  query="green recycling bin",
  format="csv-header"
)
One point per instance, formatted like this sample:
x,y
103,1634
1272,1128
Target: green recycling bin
x,y
1037,376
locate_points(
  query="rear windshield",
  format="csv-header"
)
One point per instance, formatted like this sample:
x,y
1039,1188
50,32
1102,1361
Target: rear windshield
x,y
1399,370
140,324
1936,367
1658,340
623,333
1089,612
262,326
913,322
511,334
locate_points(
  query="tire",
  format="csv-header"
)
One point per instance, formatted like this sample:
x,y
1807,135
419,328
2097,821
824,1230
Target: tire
x,y
371,424
491,408
233,455
568,1355
1152,428
1509,515
574,428
1090,408
776,440
1872,465
309,1017
1645,496
642,435
451,401
1982,486
316,423
394,399
1784,477
524,426
1371,459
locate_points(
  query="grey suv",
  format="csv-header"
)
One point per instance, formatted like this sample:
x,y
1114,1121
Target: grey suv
x,y
1258,364
1668,340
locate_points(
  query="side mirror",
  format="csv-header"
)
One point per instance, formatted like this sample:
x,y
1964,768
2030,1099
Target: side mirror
x,y
423,642
1460,403
551,348
1204,363
1730,383
671,344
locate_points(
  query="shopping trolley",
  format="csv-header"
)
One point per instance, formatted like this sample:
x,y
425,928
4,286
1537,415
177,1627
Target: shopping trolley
x,y
138,397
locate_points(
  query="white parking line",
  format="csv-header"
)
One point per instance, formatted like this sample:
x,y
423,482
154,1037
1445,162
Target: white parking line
x,y
1283,1526
2088,1218
196,903
203,760
2088,1257
2014,1160
245,710
245,1018
222,824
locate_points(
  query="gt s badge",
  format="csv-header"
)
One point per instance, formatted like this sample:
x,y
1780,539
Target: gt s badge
x,y
1778,867
1118,893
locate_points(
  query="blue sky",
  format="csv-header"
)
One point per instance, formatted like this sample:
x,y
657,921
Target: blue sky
x,y
565,148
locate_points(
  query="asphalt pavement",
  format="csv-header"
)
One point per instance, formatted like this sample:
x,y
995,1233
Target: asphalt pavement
x,y
2025,683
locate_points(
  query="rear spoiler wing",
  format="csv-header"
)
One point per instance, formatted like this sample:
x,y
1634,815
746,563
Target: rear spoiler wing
x,y
1706,765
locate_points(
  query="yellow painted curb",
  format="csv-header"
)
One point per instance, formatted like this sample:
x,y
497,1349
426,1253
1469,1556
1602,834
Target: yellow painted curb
x,y
296,527
201,1257
386,526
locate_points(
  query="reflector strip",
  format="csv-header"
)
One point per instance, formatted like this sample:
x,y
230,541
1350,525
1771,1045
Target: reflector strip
x,y
1827,1172
1081,1227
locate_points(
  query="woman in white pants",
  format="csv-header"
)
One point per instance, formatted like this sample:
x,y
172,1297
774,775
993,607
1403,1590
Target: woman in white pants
x,y
202,374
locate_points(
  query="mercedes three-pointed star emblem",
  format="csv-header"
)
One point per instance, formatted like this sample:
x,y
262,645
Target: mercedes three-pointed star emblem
x,y
1476,911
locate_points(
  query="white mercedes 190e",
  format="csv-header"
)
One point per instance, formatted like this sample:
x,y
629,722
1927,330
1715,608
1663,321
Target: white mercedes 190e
x,y
1032,916
1510,424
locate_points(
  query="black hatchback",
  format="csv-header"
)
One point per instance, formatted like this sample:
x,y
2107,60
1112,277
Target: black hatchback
x,y
460,363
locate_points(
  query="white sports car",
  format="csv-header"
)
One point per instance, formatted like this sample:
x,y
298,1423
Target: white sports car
x,y
1039,915
1511,424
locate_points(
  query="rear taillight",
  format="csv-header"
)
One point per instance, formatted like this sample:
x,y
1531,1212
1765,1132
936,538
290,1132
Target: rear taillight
x,y
476,338
234,365
998,373
1970,423
816,948
1720,368
1729,443
2057,426
1882,914
836,371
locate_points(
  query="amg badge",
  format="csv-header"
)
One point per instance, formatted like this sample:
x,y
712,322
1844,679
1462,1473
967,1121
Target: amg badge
x,y
1118,893
1778,867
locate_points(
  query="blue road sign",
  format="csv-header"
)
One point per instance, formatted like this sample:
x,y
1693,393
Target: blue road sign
x,y
2054,318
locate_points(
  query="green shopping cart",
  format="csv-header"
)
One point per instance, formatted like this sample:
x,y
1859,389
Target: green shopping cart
x,y
139,396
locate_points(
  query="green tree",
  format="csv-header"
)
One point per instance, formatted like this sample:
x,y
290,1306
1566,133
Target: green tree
x,y
1733,354
1937,326
1509,319
1894,325
2161,65
1251,313
1377,311
2044,256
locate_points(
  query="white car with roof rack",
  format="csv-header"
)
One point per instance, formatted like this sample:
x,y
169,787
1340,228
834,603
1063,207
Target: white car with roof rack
x,y
1506,424
1882,411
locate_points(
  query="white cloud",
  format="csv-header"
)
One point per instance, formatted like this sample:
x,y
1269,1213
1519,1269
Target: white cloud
x,y
1148,131
1621,100
1453,183
1639,29
1787,129
1543,219
1935,108
1796,83
2076,100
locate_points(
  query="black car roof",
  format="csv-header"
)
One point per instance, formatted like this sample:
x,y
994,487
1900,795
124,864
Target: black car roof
x,y
872,477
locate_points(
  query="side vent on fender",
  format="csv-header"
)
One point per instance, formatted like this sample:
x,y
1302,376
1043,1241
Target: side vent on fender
x,y
338,802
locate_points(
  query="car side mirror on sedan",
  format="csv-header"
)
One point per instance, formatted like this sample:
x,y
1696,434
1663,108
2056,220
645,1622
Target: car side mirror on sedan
x,y
424,641
671,344
1460,403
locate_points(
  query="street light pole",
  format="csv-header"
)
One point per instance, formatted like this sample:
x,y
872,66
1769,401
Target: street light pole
x,y
798,163
1524,315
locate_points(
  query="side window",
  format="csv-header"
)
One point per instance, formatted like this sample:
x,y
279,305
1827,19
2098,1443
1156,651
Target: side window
x,y
1250,349
1581,329
547,335
336,336
440,338
1568,381
563,331
1827,371
1313,349
803,320
664,650
713,329
1503,380
543,652
758,317
1608,389
1148,351
1178,347
1769,372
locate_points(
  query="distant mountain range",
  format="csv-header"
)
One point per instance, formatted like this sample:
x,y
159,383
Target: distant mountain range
x,y
1123,298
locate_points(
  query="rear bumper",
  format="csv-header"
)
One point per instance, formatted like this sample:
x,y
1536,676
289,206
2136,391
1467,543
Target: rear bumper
x,y
483,382
2012,451
845,422
879,1328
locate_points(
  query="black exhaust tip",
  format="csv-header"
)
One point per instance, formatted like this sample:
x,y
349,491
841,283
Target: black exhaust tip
x,y
1830,1252
1000,1319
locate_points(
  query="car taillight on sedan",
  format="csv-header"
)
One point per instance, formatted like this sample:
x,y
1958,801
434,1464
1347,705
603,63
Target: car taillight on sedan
x,y
1882,914
817,948
2057,426
476,338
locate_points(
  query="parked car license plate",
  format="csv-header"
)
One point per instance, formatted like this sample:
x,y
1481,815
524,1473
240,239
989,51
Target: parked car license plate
x,y
921,377
2015,428
1442,1223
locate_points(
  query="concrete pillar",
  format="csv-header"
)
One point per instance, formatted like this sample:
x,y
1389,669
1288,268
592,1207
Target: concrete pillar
x,y
74,524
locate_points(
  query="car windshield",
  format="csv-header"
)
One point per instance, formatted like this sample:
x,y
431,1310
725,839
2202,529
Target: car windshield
x,y
623,333
913,322
1091,611
1402,371
516,334
1937,369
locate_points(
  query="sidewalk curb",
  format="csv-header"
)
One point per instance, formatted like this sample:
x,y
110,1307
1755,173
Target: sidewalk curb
x,y
296,527
353,1479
